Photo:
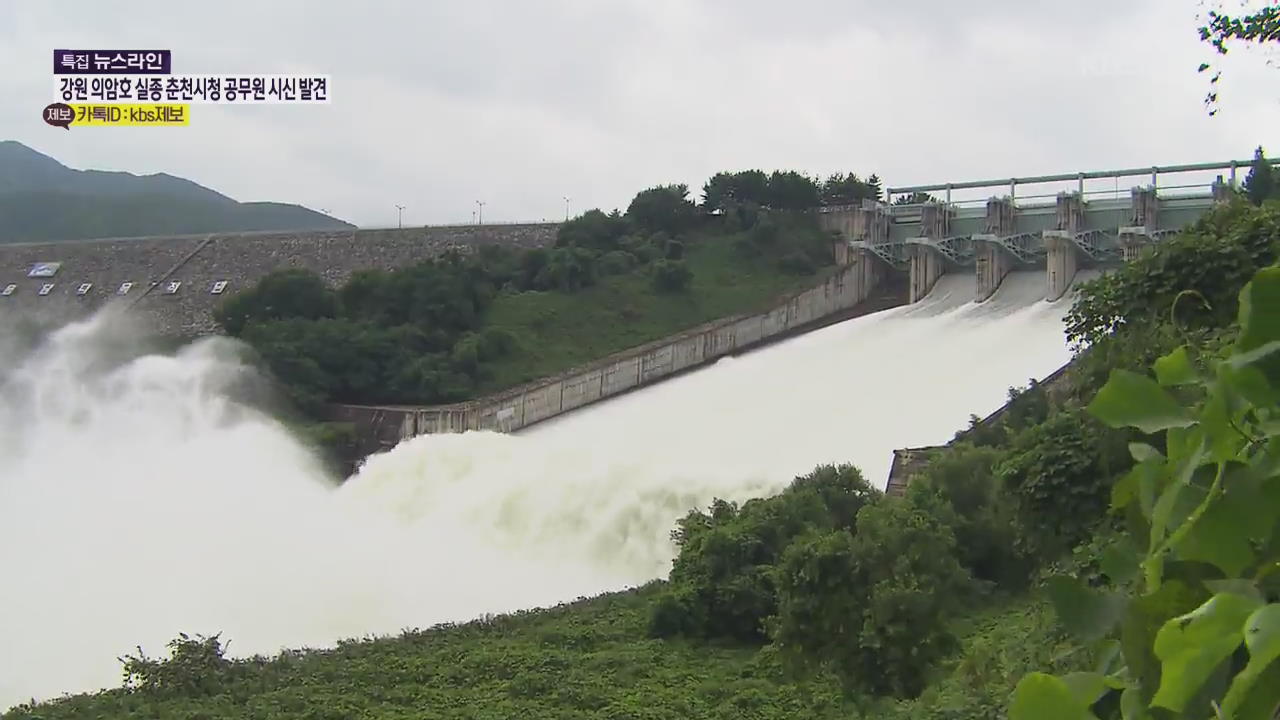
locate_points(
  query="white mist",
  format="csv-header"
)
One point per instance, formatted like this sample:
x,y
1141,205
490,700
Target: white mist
x,y
138,500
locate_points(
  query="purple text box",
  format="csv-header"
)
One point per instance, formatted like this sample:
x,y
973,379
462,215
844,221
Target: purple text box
x,y
112,62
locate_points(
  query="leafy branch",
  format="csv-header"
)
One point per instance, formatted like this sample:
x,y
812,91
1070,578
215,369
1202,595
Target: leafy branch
x,y
1260,27
1209,583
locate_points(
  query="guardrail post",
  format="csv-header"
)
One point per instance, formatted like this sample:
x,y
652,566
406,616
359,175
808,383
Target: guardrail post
x,y
1222,192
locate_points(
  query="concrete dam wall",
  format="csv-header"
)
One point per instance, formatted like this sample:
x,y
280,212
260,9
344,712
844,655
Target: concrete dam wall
x,y
845,294
174,283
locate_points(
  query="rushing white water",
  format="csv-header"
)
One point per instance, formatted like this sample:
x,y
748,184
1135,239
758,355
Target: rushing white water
x,y
138,499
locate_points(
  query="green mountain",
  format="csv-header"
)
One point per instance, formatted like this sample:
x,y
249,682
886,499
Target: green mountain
x,y
41,200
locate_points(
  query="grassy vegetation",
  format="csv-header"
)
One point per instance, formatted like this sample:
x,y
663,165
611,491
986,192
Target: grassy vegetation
x,y
589,659
461,326
557,331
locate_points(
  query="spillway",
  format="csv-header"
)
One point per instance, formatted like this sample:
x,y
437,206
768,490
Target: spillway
x,y
139,499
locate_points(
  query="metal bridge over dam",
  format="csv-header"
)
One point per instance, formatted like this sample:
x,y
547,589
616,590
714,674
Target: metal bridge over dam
x,y
1061,232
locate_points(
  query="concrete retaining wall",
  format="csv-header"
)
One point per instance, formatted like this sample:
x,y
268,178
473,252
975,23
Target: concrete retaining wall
x,y
843,295
198,262
908,462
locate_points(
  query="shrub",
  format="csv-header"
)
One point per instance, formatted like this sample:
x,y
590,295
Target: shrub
x,y
617,262
671,276
1059,472
871,606
280,295
960,487
721,582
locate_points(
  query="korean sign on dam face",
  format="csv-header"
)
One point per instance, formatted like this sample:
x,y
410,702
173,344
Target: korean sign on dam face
x,y
137,87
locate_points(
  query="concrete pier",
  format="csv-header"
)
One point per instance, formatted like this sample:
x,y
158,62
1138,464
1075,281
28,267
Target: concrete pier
x,y
991,262
1061,254
926,265
868,223
1062,263
1143,223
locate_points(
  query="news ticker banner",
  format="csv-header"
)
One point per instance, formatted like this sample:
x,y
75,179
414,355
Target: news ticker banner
x,y
137,87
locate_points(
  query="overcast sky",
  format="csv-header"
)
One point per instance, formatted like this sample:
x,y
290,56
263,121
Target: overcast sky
x,y
520,103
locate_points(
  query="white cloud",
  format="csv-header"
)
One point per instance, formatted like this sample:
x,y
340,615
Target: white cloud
x,y
439,104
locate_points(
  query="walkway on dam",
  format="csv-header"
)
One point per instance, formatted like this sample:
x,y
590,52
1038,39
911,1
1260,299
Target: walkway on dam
x,y
1001,227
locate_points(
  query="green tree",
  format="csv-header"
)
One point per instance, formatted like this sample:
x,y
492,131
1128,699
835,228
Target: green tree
x,y
721,583
594,230
849,189
1260,185
872,606
792,191
666,208
725,191
1060,473
279,295
915,198
195,668
960,487
567,269
670,276
874,184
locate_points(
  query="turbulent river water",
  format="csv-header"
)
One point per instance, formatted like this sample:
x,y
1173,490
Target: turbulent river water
x,y
141,497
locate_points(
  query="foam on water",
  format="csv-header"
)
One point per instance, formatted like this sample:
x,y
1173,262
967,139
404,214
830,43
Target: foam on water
x,y
139,499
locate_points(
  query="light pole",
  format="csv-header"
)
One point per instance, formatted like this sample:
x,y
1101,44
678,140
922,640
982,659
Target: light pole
x,y
481,215
566,208
400,216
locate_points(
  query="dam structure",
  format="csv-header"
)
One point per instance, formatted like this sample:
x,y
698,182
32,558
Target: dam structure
x,y
887,254
99,458
174,283
1061,233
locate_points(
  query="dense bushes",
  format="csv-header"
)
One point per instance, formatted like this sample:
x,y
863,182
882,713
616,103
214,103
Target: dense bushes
x,y
1058,473
722,581
961,489
871,605
833,572
1212,260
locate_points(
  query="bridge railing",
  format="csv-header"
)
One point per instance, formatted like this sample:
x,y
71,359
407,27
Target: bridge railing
x,y
1010,186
